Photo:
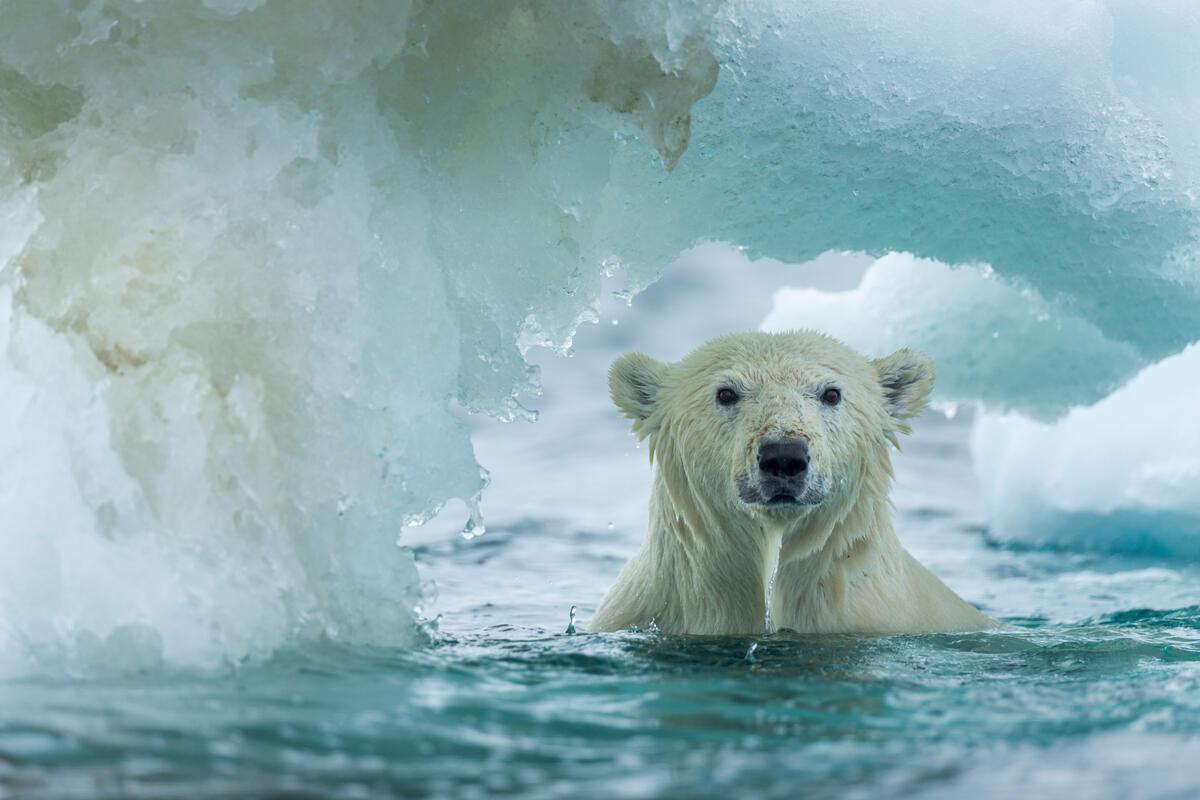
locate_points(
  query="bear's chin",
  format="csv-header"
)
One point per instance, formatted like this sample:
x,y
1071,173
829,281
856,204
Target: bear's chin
x,y
783,506
782,503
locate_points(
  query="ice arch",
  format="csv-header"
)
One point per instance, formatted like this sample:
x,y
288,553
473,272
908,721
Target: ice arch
x,y
252,249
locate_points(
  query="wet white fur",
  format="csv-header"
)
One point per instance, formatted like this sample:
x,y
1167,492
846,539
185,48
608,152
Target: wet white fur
x,y
705,566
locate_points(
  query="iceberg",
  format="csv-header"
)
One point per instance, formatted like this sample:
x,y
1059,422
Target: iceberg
x,y
257,256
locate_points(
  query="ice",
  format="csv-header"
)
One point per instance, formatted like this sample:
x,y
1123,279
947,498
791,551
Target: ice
x,y
255,259
1118,476
990,340
1054,143
1036,167
258,257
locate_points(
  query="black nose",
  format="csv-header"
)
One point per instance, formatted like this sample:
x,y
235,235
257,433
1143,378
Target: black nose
x,y
783,458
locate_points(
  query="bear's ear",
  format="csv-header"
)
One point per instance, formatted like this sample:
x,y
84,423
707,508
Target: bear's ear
x,y
907,379
634,380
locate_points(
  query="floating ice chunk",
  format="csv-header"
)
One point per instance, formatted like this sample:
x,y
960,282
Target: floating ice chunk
x,y
1120,476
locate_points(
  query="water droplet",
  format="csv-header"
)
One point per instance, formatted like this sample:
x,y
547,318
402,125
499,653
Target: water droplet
x,y
571,624
653,626
474,527
610,526
750,652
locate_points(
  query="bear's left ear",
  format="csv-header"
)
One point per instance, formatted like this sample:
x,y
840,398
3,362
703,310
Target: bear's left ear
x,y
634,380
907,379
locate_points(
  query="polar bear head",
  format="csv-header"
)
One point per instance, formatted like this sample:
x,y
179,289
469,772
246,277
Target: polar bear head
x,y
772,425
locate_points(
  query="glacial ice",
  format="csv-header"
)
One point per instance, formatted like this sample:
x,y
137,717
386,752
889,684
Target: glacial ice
x,y
254,253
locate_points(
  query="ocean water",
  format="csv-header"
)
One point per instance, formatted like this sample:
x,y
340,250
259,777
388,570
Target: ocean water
x,y
1092,688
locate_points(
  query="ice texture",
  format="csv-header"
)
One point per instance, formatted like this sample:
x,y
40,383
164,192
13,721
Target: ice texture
x,y
253,255
1056,251
1052,142
256,255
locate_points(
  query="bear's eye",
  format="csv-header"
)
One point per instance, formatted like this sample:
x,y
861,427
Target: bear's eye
x,y
832,396
727,396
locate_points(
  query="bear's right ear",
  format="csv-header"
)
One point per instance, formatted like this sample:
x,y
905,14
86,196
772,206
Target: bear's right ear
x,y
906,377
634,380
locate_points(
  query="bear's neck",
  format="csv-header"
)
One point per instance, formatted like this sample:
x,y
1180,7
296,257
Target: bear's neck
x,y
755,574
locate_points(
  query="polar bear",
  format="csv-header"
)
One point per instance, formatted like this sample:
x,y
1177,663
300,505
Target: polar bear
x,y
770,504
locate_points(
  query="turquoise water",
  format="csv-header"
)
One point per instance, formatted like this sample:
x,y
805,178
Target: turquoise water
x,y
1110,708
1092,690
